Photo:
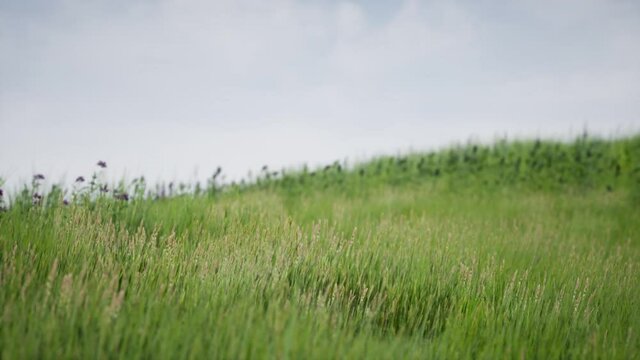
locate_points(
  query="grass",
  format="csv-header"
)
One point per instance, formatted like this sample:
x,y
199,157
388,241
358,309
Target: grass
x,y
463,253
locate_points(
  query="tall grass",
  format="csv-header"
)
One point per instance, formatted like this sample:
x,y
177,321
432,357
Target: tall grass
x,y
411,257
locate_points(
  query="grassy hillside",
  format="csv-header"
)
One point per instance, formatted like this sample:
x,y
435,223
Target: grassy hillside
x,y
518,249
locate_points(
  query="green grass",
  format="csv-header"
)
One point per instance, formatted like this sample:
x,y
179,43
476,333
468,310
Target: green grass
x,y
483,258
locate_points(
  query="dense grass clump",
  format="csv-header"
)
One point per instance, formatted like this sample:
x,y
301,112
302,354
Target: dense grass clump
x,y
522,249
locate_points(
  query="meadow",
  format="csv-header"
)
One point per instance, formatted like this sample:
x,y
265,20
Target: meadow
x,y
517,249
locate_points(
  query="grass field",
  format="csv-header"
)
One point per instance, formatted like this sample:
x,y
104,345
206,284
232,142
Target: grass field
x,y
514,250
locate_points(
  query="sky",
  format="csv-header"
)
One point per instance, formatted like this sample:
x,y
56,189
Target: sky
x,y
172,89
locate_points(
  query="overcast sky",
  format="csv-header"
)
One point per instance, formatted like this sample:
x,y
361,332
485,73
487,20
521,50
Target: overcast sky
x,y
173,88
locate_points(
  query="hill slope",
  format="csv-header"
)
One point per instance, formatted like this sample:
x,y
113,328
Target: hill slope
x,y
527,249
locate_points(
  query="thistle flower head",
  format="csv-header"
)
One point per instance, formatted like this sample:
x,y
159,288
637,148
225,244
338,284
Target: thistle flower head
x,y
36,199
79,179
102,164
1,193
37,177
217,173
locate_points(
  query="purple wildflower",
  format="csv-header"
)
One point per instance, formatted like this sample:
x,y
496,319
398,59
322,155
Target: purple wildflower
x,y
80,179
102,164
38,177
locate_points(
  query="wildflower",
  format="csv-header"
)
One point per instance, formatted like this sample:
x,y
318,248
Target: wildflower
x,y
38,177
122,196
218,172
65,202
1,193
79,179
104,189
102,164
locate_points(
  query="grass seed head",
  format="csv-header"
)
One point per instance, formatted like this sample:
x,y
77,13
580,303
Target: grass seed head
x,y
66,289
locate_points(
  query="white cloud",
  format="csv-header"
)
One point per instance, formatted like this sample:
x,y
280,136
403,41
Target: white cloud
x,y
166,84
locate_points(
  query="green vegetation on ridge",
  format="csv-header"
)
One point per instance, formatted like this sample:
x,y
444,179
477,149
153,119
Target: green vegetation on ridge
x,y
520,249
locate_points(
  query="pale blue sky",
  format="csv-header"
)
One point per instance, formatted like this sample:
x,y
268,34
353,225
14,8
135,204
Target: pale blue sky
x,y
173,88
